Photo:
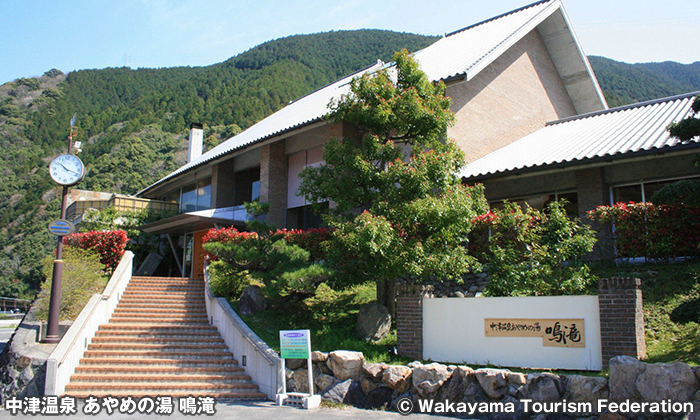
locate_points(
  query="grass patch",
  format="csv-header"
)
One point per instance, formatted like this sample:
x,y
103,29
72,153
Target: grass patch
x,y
330,315
664,287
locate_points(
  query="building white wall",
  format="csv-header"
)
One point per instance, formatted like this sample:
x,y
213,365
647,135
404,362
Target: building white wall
x,y
453,332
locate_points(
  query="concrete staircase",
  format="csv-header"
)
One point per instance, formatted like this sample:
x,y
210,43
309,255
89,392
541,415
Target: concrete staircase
x,y
159,342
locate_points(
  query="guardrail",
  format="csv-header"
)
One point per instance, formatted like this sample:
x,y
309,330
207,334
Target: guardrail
x,y
261,363
65,357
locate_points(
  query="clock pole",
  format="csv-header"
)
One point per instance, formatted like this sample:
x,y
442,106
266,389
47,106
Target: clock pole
x,y
52,331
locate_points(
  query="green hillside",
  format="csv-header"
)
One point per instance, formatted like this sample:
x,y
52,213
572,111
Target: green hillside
x,y
625,83
133,124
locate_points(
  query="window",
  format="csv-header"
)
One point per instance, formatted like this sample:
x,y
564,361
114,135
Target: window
x,y
247,186
304,217
639,193
192,197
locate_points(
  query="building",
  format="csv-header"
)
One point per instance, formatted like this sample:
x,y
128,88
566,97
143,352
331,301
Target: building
x,y
508,78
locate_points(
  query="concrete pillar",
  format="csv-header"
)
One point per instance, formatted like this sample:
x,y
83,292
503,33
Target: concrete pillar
x,y
273,182
621,319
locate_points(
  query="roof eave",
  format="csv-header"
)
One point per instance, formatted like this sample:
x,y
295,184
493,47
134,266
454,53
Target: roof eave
x,y
691,147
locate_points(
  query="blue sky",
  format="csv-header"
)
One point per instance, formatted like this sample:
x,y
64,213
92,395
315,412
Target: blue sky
x,y
38,35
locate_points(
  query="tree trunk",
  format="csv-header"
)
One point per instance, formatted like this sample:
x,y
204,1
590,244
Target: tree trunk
x,y
386,295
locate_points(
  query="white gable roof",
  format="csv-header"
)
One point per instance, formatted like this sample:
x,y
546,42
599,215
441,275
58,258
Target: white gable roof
x,y
462,53
615,132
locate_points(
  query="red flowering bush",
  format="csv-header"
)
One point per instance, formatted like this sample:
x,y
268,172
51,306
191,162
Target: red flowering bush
x,y
109,245
658,232
311,240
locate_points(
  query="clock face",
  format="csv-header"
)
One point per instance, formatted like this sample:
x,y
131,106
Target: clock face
x,y
67,170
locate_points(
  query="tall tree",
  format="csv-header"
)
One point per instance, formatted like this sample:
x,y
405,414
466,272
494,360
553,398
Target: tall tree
x,y
399,207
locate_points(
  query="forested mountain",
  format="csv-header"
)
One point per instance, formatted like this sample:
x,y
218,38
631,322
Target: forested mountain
x,y
134,123
625,83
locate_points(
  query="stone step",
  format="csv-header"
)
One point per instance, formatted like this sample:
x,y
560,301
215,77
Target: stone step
x,y
162,340
174,337
160,306
157,328
225,395
158,387
160,312
174,354
159,317
163,289
165,345
159,342
230,377
113,369
184,321
181,363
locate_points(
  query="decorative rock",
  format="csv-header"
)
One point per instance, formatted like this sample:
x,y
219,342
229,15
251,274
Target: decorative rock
x,y
427,379
374,370
323,382
458,294
337,392
461,377
493,381
295,364
301,380
662,381
373,321
252,300
695,415
379,398
585,388
397,378
516,379
354,396
319,356
346,364
543,387
369,385
624,371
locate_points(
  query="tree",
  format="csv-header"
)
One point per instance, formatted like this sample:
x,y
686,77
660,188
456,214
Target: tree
x,y
688,128
399,207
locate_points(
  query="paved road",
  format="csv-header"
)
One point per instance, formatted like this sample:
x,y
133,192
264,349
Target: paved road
x,y
249,411
7,328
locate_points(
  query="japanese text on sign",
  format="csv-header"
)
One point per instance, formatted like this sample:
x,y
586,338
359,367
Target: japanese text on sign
x,y
295,344
554,332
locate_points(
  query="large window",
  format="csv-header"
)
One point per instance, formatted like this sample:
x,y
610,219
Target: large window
x,y
304,217
192,197
641,192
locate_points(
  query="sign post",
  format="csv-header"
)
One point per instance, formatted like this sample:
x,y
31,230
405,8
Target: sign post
x,y
296,344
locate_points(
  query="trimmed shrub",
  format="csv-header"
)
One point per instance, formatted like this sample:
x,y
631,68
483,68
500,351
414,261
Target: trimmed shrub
x,y
533,253
657,232
83,276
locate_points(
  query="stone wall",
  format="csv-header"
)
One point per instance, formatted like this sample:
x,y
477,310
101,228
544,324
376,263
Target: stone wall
x,y
345,377
23,360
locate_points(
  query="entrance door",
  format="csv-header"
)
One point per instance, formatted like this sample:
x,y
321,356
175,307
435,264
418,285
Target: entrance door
x,y
198,254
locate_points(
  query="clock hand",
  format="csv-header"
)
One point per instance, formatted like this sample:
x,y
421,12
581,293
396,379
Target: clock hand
x,y
64,167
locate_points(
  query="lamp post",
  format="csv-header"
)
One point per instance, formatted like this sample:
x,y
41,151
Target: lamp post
x,y
66,170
